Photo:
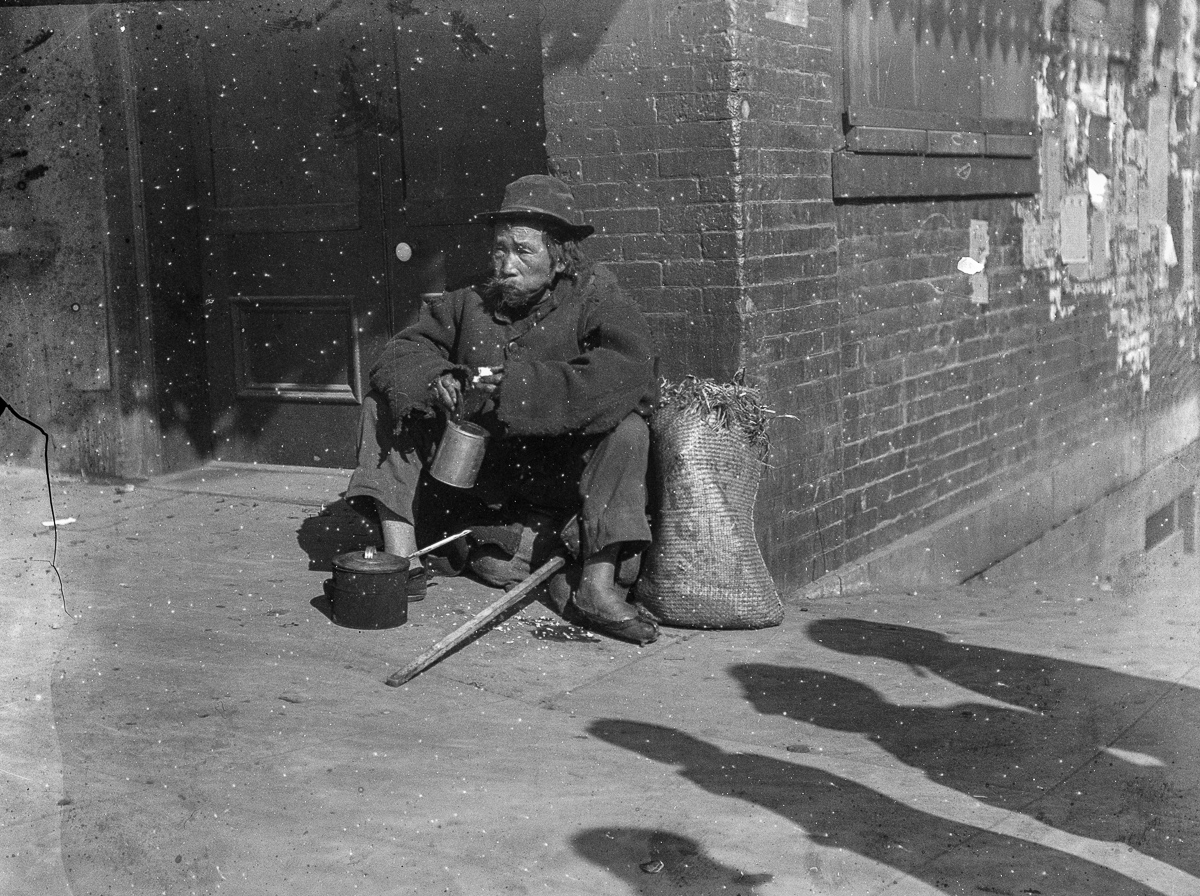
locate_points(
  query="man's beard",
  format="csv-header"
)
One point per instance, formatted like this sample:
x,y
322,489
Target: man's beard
x,y
509,298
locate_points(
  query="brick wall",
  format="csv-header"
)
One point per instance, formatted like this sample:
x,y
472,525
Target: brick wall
x,y
946,403
639,118
944,400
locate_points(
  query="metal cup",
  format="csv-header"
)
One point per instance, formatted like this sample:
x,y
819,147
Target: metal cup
x,y
459,454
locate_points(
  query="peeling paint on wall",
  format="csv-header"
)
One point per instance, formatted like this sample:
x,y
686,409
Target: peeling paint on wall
x,y
1034,253
1101,255
1185,300
53,307
790,12
1113,132
1058,310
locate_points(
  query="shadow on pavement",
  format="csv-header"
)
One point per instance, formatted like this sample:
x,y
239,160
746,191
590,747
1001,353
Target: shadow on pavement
x,y
323,604
335,530
838,813
653,861
1044,754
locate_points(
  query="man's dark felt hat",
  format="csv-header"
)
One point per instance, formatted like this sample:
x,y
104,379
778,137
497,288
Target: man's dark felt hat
x,y
541,196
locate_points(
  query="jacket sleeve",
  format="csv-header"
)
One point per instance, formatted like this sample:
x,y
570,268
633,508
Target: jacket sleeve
x,y
418,354
611,377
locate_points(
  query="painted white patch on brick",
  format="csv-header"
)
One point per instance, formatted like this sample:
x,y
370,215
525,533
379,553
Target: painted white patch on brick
x,y
790,12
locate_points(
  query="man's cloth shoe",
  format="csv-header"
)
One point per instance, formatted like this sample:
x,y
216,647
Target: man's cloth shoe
x,y
605,610
636,629
418,582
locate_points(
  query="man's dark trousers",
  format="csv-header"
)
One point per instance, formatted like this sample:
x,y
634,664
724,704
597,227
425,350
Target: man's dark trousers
x,y
600,477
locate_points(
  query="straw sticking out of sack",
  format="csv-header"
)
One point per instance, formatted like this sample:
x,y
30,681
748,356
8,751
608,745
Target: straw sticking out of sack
x,y
734,407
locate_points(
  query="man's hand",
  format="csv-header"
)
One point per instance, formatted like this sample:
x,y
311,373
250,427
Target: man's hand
x,y
447,390
488,379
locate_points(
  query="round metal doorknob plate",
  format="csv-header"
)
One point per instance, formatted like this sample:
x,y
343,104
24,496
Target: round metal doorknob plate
x,y
403,251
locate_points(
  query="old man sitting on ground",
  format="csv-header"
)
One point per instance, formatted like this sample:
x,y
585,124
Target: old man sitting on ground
x,y
567,380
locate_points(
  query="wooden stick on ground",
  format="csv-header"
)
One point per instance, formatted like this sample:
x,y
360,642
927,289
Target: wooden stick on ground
x,y
478,624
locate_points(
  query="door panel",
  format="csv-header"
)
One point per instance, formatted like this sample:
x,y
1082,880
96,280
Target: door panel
x,y
302,347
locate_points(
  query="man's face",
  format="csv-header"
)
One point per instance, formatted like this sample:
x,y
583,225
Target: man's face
x,y
520,261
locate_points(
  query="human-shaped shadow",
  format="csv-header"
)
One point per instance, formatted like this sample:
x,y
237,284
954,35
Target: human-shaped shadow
x,y
838,813
653,861
1045,754
336,529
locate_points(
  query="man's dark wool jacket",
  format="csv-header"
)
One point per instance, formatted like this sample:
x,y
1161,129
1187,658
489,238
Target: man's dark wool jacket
x,y
577,363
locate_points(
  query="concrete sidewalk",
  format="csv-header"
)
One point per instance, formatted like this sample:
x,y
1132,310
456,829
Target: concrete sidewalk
x,y
194,723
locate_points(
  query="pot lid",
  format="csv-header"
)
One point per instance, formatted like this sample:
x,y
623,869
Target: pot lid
x,y
370,560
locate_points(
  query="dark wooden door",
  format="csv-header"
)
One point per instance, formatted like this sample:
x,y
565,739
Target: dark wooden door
x,y
293,101
343,149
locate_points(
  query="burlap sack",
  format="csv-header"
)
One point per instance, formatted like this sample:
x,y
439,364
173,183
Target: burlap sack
x,y
704,569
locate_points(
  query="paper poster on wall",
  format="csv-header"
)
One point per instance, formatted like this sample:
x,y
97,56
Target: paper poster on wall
x,y
1097,188
1073,229
1100,144
1034,252
1052,169
1147,239
1167,258
1100,250
1166,245
980,248
1129,199
1188,179
1158,162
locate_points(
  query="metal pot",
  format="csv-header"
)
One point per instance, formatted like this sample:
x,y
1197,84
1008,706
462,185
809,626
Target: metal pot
x,y
370,589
